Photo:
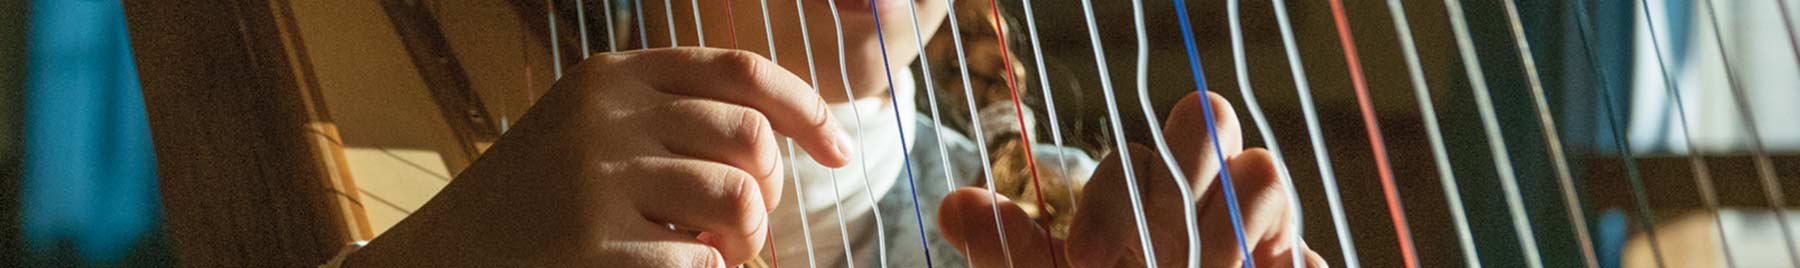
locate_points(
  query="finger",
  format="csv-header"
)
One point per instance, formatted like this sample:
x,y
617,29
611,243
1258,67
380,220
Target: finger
x,y
724,203
969,225
670,251
1286,260
724,133
744,78
1263,207
1105,230
1192,144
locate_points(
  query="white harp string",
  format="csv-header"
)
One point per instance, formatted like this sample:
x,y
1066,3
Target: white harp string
x,y
1765,171
1434,133
1262,127
699,28
1702,175
800,202
581,25
1037,54
843,231
555,47
612,38
793,158
1611,110
862,154
813,78
669,15
792,155
1552,142
1189,216
981,144
1317,134
931,96
643,34
1484,103
900,126
1118,131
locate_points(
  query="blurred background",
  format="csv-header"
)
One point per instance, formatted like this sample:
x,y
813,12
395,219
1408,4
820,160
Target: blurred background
x,y
77,174
255,103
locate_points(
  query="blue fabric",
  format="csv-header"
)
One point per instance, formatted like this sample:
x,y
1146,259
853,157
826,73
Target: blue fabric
x,y
89,171
1612,234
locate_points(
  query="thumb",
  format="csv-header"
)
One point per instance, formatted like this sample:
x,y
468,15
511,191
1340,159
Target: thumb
x,y
968,223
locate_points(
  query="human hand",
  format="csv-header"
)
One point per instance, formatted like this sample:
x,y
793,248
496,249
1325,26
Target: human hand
x,y
1104,232
625,146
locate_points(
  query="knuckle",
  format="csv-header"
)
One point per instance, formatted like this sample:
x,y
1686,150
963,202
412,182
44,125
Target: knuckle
x,y
744,201
661,115
748,128
742,66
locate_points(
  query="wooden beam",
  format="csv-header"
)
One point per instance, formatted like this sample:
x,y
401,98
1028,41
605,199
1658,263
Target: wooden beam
x,y
444,75
248,167
1669,182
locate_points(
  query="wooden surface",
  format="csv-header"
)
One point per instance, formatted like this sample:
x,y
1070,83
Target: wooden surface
x,y
444,76
1669,182
244,160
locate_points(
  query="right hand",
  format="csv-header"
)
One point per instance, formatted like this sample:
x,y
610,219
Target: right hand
x,y
624,146
1104,232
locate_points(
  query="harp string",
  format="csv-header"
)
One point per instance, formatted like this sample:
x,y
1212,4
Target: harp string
x,y
931,95
581,26
1702,176
1012,87
612,38
931,98
1613,123
843,232
731,23
793,159
1262,126
813,77
669,14
1764,170
905,155
524,61
862,155
643,35
1317,135
987,169
699,28
1787,19
1037,53
1552,141
800,200
1434,133
555,46
1162,145
1484,105
1396,213
1118,131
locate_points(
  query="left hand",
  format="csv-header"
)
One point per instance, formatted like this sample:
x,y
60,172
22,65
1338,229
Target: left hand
x,y
1104,232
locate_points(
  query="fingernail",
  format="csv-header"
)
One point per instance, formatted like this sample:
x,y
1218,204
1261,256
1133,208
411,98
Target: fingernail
x,y
844,142
707,239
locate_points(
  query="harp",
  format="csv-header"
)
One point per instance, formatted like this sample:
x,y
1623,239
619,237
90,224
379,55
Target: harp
x,y
338,116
